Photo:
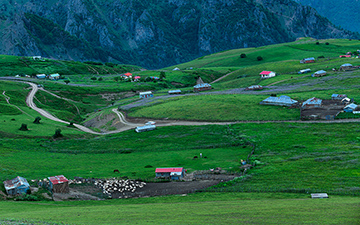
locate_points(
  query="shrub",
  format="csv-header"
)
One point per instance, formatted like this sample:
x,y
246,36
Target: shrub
x,y
259,58
23,127
243,55
148,166
100,79
37,120
93,78
327,43
321,57
317,43
57,133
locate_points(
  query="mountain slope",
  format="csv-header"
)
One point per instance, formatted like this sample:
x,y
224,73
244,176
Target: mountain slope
x,y
153,34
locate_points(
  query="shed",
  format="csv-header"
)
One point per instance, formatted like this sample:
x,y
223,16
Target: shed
x,y
312,103
171,173
254,87
338,97
54,76
176,69
18,185
147,94
304,71
136,78
145,128
308,60
345,56
174,92
40,76
319,73
59,184
36,57
281,101
346,66
267,74
350,108
202,87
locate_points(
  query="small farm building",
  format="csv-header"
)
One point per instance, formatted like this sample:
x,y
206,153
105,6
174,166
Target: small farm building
x,y
147,94
319,73
40,76
54,76
170,173
254,87
308,60
304,71
36,57
174,92
345,56
346,66
128,74
350,108
145,128
312,103
267,74
338,97
202,87
59,184
176,69
281,101
18,185
319,195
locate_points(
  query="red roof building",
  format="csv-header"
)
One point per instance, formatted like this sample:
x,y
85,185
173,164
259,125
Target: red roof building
x,y
128,74
59,184
345,56
170,173
267,74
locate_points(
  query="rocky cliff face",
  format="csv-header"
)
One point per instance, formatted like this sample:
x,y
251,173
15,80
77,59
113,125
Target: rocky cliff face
x,y
150,33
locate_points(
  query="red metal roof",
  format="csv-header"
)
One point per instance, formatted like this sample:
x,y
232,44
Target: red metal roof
x,y
265,72
128,74
169,170
137,77
58,179
345,56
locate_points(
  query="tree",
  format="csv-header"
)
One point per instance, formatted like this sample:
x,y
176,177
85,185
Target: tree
x,y
37,120
317,43
57,133
93,78
259,58
66,81
243,55
23,127
100,79
327,43
162,75
116,79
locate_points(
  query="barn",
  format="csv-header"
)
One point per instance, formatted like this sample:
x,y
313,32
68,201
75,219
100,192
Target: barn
x,y
312,103
308,60
175,173
267,74
59,184
147,94
281,101
18,185
319,73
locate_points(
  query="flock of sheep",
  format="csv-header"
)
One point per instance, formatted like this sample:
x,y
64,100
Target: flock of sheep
x,y
113,185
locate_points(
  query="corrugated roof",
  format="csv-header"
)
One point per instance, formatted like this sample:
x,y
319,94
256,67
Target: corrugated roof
x,y
16,182
320,72
308,59
202,85
266,72
169,170
58,179
146,127
280,100
338,96
255,87
128,74
312,101
305,70
174,91
351,106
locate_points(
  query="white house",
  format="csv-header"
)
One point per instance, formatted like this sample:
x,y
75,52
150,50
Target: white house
x,y
147,94
267,74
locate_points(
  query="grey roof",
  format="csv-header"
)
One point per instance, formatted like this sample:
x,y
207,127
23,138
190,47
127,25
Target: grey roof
x,y
311,58
351,106
282,100
145,93
174,91
255,86
338,96
305,70
202,85
146,127
346,64
320,71
312,101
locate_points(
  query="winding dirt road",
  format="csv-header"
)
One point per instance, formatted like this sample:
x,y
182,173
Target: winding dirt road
x,y
129,125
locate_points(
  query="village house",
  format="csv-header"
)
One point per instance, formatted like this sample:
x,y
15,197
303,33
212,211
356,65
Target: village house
x,y
128,75
18,185
54,76
346,66
147,94
350,108
36,57
267,74
312,103
174,92
145,128
40,76
202,87
338,97
345,56
59,184
304,71
280,101
170,173
254,87
319,73
308,60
